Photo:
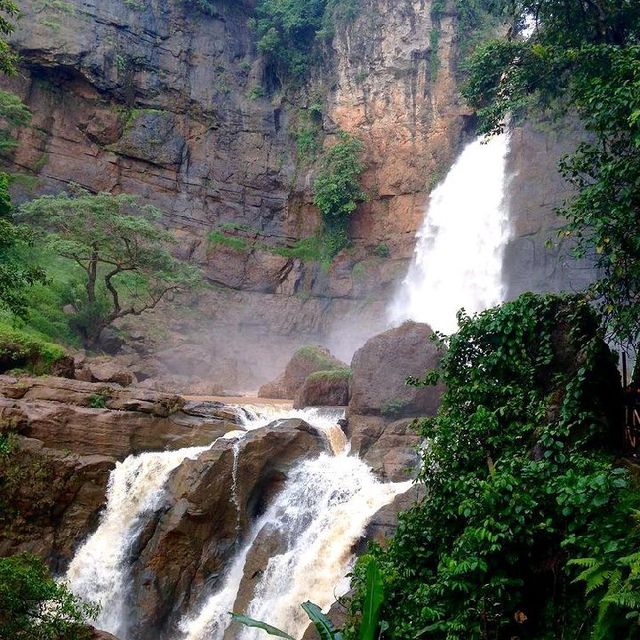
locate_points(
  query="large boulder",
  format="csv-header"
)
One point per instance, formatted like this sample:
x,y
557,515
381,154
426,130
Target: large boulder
x,y
212,502
380,370
105,370
91,418
324,389
305,361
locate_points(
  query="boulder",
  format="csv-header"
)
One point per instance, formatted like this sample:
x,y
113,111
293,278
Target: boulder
x,y
96,634
305,361
380,370
324,389
105,370
50,500
185,551
389,448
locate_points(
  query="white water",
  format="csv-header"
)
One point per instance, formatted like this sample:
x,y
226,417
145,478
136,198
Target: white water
x,y
99,571
322,511
458,256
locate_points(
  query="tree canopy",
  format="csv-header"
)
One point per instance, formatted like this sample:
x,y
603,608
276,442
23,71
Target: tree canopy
x,y
119,246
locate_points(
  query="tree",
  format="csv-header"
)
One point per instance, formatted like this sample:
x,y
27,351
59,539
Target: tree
x,y
128,268
8,59
33,606
582,57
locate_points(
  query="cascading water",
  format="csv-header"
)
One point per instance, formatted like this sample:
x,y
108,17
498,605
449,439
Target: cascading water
x,y
99,571
322,511
458,256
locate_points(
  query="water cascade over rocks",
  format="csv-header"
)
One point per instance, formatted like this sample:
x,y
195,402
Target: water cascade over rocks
x,y
322,511
311,526
458,256
99,571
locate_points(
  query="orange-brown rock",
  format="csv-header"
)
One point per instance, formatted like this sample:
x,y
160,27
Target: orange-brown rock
x,y
50,500
89,418
324,389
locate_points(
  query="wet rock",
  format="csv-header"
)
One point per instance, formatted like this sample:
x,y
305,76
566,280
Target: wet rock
x,y
389,448
194,538
91,418
324,389
305,361
380,370
51,500
105,370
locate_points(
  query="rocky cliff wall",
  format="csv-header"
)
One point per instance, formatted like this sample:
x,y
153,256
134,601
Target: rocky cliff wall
x,y
159,100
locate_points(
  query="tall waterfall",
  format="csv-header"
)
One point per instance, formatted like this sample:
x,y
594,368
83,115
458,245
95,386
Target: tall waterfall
x,y
458,256
99,571
322,511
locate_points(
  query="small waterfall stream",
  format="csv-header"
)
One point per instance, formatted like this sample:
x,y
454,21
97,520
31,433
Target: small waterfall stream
x,y
322,511
458,256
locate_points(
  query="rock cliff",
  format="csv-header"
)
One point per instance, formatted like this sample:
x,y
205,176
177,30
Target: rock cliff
x,y
163,101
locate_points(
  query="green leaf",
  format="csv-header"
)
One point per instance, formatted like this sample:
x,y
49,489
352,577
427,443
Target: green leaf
x,y
324,626
374,597
258,624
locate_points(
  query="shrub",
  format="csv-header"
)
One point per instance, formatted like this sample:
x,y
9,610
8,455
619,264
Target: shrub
x,y
331,375
20,349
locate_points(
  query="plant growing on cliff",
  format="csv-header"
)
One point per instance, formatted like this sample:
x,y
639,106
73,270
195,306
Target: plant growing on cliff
x,y
582,57
337,190
289,32
33,606
520,476
8,59
126,260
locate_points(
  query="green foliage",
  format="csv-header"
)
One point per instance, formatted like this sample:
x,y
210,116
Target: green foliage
x,y
382,250
13,114
318,357
226,240
8,59
584,58
125,259
373,599
323,625
22,349
16,275
33,606
332,374
98,400
520,476
337,191
289,32
393,408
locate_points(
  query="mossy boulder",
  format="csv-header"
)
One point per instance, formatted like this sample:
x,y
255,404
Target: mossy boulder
x,y
325,389
23,350
305,361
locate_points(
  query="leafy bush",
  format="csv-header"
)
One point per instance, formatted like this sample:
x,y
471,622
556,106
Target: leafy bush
x,y
33,606
226,240
382,250
520,474
332,374
21,349
337,191
290,30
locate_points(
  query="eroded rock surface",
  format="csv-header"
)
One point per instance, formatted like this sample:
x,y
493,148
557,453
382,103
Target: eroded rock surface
x,y
97,419
324,389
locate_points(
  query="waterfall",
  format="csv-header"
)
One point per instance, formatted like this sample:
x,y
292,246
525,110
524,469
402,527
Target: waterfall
x,y
321,512
458,256
99,571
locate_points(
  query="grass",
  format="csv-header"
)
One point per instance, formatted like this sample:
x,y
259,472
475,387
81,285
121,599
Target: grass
x,y
24,349
332,374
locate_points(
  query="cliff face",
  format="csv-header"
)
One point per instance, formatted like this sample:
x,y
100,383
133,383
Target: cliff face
x,y
159,100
